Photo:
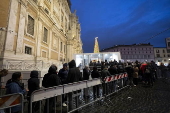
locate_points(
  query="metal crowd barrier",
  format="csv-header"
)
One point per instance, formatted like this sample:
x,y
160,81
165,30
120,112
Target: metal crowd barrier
x,y
73,92
11,100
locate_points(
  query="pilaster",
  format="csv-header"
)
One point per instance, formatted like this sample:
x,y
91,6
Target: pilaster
x,y
20,37
11,26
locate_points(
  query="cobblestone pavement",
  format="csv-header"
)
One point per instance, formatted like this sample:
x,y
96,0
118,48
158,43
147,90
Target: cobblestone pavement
x,y
139,99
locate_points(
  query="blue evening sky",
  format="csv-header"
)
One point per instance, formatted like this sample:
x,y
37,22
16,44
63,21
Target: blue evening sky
x,y
117,22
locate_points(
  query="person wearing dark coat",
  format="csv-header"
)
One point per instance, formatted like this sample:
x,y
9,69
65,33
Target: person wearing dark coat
x,y
104,74
74,75
33,84
149,74
15,86
63,73
95,74
130,71
113,70
86,73
49,80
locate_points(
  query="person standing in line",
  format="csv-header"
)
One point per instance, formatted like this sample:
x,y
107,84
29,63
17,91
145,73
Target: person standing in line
x,y
163,69
95,74
135,75
15,86
142,68
3,73
148,74
74,75
104,74
49,80
130,72
63,73
33,84
86,74
113,70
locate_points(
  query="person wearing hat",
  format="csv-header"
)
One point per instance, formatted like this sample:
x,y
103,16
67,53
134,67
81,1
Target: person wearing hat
x,y
63,73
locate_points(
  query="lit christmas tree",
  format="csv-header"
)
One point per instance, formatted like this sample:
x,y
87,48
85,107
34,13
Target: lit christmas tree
x,y
96,46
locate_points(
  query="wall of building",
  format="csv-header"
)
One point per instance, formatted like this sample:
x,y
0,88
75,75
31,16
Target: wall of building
x,y
41,30
142,52
162,55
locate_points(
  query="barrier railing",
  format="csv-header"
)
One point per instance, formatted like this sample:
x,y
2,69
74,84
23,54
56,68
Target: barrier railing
x,y
73,92
11,100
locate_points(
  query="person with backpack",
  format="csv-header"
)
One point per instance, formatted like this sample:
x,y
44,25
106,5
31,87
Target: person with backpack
x,y
49,80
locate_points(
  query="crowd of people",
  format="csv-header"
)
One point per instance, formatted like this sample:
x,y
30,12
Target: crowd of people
x,y
145,72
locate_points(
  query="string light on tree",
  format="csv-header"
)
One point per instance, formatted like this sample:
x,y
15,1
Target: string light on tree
x,y
96,46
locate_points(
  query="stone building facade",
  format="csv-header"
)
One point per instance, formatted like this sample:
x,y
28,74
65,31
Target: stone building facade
x,y
162,54
37,33
131,53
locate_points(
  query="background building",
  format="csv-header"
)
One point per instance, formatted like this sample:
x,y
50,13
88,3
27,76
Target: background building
x,y
36,33
163,54
140,52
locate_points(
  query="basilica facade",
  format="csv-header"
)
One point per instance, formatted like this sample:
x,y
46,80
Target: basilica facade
x,y
38,33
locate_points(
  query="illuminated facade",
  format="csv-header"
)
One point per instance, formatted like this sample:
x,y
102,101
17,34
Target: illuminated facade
x,y
38,31
162,54
140,52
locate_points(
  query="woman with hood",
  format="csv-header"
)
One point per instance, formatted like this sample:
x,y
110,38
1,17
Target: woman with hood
x,y
50,79
33,84
74,75
15,86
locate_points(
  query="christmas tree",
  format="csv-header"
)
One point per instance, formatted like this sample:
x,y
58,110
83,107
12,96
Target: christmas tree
x,y
96,46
